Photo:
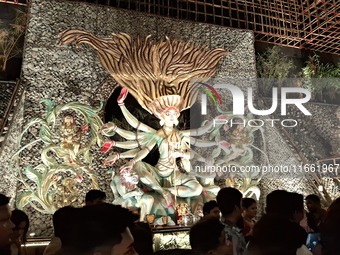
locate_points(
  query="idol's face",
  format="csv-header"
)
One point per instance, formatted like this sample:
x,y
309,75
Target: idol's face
x,y
68,120
170,117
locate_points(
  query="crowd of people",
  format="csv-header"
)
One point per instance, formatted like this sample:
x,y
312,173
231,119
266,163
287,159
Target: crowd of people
x,y
230,226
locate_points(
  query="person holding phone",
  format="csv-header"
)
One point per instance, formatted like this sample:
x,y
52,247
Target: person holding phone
x,y
277,232
313,243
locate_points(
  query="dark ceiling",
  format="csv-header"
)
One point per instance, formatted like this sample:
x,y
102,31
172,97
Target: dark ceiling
x,y
303,24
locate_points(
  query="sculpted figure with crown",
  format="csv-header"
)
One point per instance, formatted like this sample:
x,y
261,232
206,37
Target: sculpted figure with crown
x,y
158,76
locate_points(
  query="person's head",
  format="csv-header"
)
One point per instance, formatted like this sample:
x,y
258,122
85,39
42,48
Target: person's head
x,y
249,207
313,203
330,230
211,209
95,197
207,237
334,207
278,202
229,202
63,219
170,117
6,225
143,238
297,204
102,230
21,222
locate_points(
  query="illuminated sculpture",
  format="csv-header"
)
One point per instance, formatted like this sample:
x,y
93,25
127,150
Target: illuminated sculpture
x,y
70,137
65,156
159,75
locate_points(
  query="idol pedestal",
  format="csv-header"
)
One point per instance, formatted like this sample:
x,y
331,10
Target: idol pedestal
x,y
171,237
165,238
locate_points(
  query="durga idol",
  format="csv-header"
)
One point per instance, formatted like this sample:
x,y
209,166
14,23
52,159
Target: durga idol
x,y
158,75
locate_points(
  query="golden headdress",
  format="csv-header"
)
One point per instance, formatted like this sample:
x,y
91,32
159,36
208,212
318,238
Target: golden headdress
x,y
157,74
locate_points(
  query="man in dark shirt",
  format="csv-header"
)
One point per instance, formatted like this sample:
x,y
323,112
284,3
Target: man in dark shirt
x,y
276,233
316,214
229,202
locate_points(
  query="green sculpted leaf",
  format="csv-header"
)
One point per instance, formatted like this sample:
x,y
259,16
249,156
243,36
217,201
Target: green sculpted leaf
x,y
87,157
23,199
51,118
42,168
33,175
247,158
45,134
49,104
216,152
50,198
99,141
214,134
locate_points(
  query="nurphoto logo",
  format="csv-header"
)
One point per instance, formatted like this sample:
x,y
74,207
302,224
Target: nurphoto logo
x,y
239,103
